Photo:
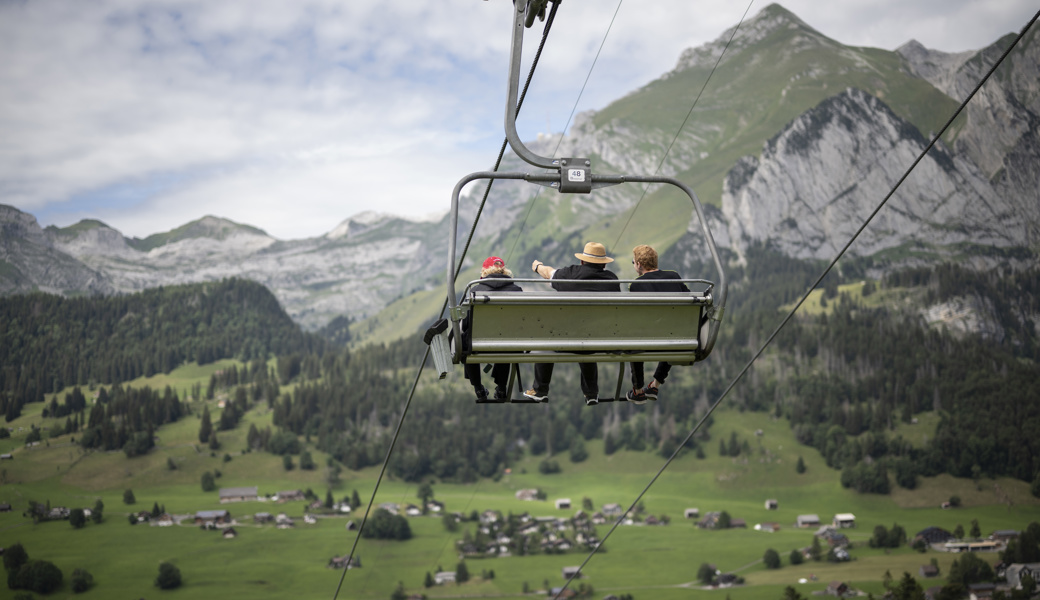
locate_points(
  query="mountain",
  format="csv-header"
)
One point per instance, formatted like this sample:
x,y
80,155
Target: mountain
x,y
793,142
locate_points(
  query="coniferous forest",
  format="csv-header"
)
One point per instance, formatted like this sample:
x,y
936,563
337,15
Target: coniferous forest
x,y
843,377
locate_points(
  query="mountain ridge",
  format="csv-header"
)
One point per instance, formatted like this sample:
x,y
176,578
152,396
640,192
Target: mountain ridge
x,y
752,149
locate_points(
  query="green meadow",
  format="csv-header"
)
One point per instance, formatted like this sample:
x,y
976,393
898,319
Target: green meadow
x,y
644,561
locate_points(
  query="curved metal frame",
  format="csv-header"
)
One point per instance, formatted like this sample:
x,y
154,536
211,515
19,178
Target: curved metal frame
x,y
714,313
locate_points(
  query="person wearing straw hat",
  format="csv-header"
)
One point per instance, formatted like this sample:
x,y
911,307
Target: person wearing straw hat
x,y
591,275
495,277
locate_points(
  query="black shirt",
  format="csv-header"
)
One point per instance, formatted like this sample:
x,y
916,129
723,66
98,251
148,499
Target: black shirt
x,y
657,281
585,271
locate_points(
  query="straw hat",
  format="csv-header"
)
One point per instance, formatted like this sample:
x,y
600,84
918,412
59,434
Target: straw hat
x,y
594,253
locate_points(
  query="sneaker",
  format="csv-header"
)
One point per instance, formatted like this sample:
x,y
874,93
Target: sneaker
x,y
650,392
482,394
637,396
533,395
593,401
500,394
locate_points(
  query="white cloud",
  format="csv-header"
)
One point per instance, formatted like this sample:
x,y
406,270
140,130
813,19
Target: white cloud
x,y
294,116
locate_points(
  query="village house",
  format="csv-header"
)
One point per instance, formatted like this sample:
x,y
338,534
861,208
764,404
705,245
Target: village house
x,y
842,520
612,510
390,507
289,496
344,562
563,504
413,511
282,521
434,506
263,517
837,588
527,494
442,577
212,518
932,535
807,521
1014,573
981,591
928,571
5,507
164,520
1004,535
768,527
238,494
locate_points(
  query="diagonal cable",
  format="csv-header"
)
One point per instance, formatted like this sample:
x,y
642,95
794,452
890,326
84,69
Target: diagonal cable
x,y
815,284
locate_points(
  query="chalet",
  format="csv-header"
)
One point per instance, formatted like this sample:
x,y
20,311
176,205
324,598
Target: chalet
x,y
238,494
612,510
837,588
283,521
933,535
981,591
143,515
830,535
442,577
263,517
772,504
563,504
5,507
212,517
807,521
842,520
435,506
413,511
710,520
1004,535
738,523
166,519
571,572
652,520
230,533
1015,572
691,513
344,562
928,571
344,508
527,494
390,507
290,496
768,527
309,519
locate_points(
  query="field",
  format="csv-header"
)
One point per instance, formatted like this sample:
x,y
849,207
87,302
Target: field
x,y
644,561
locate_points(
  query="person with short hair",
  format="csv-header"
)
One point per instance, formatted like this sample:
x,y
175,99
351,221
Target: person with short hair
x,y
651,279
495,277
594,277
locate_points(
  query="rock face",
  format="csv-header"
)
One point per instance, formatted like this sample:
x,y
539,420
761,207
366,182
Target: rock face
x,y
820,178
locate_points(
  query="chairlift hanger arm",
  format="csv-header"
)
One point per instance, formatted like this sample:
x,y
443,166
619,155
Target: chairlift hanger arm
x,y
525,13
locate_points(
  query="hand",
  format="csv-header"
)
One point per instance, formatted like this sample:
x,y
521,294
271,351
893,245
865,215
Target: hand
x,y
535,265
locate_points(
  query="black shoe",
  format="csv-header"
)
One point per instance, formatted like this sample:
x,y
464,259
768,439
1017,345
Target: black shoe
x,y
637,396
482,394
593,401
500,394
651,392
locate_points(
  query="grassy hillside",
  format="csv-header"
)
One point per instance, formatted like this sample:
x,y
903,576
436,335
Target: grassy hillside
x,y
263,562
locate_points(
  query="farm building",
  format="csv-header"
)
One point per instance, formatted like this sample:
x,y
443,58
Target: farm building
x,y
772,504
808,521
563,503
692,513
844,520
238,494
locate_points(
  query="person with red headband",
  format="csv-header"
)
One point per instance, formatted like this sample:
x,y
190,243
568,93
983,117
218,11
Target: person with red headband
x,y
495,278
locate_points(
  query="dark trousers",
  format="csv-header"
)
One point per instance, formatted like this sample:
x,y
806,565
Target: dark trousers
x,y
589,378
499,372
660,374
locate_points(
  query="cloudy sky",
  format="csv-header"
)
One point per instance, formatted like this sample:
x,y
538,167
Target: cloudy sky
x,y
292,115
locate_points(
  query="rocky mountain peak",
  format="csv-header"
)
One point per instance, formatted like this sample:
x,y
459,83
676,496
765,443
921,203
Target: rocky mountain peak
x,y
769,21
